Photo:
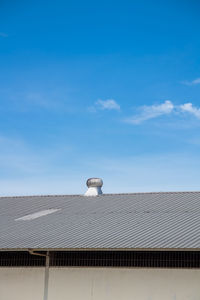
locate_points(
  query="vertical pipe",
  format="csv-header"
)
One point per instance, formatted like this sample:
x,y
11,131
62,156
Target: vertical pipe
x,y
46,277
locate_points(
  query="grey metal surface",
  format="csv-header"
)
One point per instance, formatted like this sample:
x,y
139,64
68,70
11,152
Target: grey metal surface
x,y
121,221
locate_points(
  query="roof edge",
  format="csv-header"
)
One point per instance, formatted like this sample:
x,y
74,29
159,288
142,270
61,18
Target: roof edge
x,y
102,195
98,249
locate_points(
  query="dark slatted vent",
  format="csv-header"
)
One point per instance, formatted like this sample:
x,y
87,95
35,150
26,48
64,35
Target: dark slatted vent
x,y
20,259
137,259
140,259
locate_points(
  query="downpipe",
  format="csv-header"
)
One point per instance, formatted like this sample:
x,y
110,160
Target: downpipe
x,y
46,273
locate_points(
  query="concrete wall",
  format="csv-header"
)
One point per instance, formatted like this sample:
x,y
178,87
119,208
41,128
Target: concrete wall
x,y
100,284
21,283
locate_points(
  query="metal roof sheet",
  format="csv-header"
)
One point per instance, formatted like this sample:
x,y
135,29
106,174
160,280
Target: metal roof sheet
x,y
111,221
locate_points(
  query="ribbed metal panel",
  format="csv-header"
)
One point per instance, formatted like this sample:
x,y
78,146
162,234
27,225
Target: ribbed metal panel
x,y
127,221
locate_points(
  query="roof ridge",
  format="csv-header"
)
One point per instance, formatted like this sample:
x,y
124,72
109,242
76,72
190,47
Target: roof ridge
x,y
164,192
105,194
34,196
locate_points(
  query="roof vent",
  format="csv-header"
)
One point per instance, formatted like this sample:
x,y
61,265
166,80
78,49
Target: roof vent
x,y
94,187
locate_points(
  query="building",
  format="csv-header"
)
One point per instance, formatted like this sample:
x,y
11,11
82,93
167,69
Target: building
x,y
100,246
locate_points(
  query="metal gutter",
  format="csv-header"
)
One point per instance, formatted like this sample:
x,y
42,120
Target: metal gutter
x,y
95,249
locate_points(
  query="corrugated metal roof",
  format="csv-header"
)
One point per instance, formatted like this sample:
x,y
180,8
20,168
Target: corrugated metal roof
x,y
117,221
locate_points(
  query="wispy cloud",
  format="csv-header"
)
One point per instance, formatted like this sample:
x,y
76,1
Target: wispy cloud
x,y
24,101
151,112
149,172
20,161
25,169
2,34
38,99
166,108
189,108
109,104
193,82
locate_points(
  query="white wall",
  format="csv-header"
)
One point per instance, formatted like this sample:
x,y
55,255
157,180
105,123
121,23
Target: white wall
x,y
21,283
124,284
100,284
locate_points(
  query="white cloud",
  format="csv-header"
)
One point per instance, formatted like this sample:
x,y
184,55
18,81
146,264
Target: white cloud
x,y
188,107
193,82
166,108
151,112
109,104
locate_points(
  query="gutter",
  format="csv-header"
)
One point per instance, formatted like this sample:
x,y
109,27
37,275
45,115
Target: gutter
x,y
95,249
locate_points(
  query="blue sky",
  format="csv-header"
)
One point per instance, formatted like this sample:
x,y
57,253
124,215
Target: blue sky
x,y
107,89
